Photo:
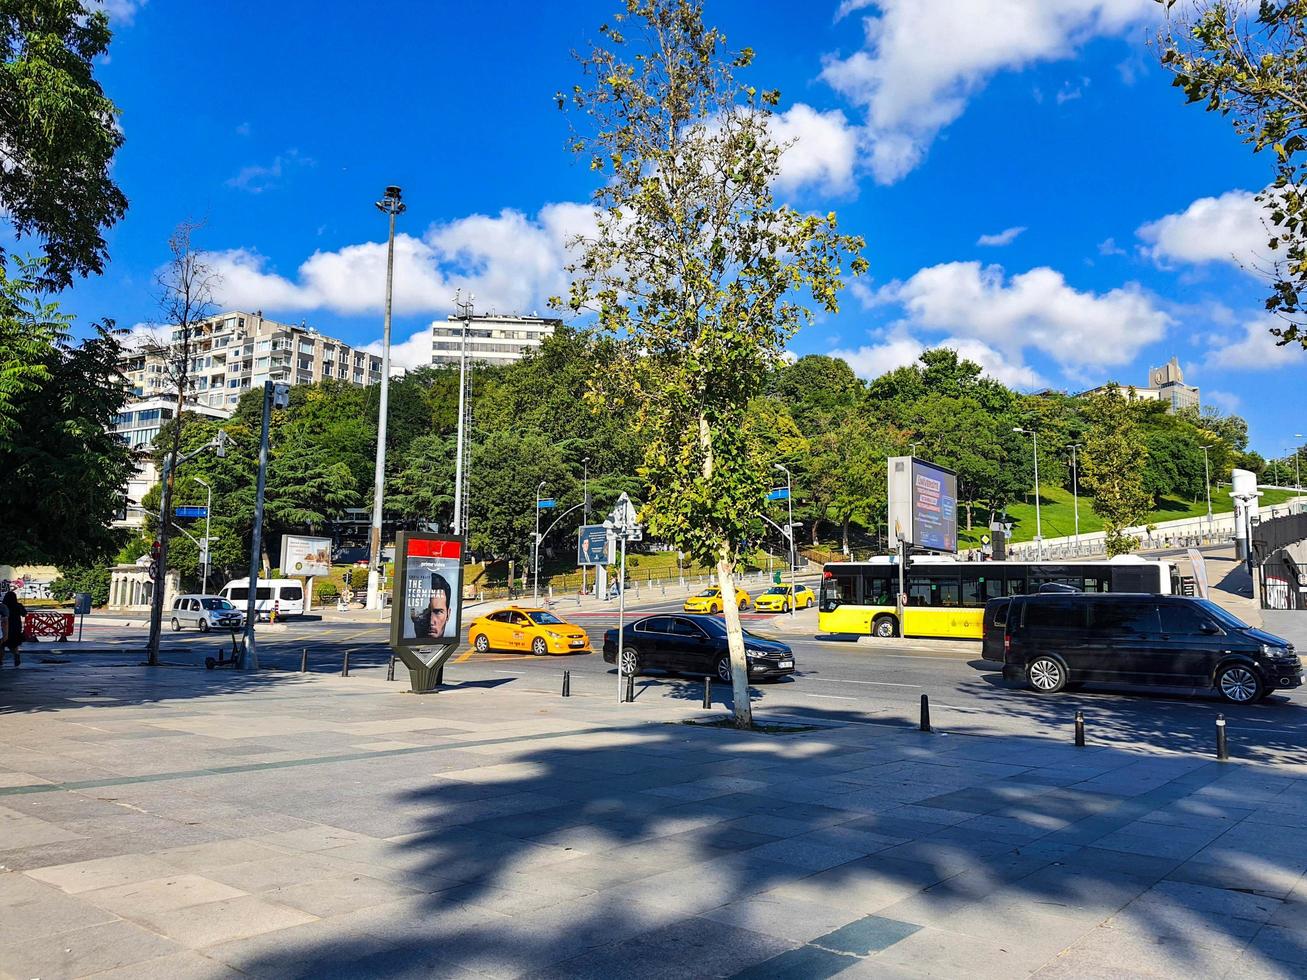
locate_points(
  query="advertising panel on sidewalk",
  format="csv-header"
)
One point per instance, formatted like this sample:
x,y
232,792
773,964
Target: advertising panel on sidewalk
x,y
592,545
923,497
305,556
427,607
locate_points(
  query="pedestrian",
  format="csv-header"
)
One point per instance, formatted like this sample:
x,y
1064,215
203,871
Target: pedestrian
x,y
13,614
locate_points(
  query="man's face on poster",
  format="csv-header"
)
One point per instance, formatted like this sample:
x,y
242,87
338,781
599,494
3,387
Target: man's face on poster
x,y
439,607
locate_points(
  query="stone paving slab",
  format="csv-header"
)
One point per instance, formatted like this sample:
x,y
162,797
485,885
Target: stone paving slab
x,y
182,823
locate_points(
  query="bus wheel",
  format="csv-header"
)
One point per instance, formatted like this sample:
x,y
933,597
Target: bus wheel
x,y
884,626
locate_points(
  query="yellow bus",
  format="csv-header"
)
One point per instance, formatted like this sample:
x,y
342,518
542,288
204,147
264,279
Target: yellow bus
x,y
946,598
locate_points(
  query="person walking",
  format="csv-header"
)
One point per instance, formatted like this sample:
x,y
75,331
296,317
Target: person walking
x,y
14,612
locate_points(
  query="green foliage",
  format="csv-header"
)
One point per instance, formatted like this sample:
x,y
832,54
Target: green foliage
x,y
1113,468
59,133
1248,61
326,591
82,578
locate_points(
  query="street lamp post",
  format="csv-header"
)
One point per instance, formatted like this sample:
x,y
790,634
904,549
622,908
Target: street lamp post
x,y
208,540
1297,472
535,551
1075,491
275,395
1039,527
1207,481
465,317
585,505
789,529
391,205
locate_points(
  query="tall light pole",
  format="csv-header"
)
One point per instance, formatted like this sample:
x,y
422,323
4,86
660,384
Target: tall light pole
x,y
1297,472
275,395
208,541
1039,527
585,505
789,528
465,317
535,551
1207,481
391,205
1075,490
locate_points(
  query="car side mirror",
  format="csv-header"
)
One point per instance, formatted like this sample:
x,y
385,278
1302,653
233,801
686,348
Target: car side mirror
x,y
1209,629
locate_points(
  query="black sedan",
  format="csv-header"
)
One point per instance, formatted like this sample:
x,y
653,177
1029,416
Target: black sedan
x,y
688,644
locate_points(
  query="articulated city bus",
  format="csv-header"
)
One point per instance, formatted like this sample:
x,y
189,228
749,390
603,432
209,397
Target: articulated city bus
x,y
946,597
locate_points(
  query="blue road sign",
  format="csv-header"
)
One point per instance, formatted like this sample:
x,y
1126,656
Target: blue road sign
x,y
191,511
780,493
547,503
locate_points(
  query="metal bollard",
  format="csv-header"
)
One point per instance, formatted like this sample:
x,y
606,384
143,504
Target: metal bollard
x,y
344,665
630,688
567,683
304,660
925,713
707,691
1080,729
1222,749
390,670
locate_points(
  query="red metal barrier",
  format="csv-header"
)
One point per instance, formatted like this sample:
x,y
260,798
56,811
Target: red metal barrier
x,y
55,624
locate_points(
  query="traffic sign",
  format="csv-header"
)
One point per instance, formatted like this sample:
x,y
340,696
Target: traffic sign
x,y
780,493
546,503
154,570
191,511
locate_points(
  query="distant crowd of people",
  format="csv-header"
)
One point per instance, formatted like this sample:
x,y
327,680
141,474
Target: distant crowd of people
x,y
11,626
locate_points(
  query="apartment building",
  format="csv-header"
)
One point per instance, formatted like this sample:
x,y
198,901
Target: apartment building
x,y
490,339
230,354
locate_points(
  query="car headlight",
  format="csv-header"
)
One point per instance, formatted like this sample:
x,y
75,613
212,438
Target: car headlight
x,y
554,636
1273,652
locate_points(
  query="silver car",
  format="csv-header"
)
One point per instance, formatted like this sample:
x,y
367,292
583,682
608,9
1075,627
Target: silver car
x,y
205,612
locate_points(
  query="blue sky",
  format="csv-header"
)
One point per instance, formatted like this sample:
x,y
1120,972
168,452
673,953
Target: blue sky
x,y
1031,189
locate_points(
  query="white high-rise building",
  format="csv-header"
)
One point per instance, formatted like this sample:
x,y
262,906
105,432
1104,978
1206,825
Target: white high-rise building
x,y
490,339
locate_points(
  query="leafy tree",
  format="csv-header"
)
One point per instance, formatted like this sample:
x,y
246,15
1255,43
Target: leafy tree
x,y
696,264
817,388
1249,62
505,473
59,132
1112,468
82,578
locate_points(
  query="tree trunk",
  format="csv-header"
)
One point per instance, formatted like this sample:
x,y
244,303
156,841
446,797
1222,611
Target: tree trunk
x,y
846,536
968,515
815,522
726,581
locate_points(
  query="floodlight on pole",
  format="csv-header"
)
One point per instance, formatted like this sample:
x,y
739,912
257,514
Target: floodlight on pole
x,y
391,205
465,318
1039,528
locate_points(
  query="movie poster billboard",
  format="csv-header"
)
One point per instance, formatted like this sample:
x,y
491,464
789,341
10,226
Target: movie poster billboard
x,y
426,608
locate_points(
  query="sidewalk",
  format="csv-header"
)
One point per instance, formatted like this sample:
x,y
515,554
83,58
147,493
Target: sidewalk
x,y
182,823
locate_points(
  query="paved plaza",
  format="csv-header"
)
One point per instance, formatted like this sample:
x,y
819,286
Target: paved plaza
x,y
175,823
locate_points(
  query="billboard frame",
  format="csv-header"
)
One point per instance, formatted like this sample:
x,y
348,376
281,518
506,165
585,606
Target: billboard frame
x,y
423,553
902,511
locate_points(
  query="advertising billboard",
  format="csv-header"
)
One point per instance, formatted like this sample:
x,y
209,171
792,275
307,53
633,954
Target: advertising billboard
x,y
592,545
923,504
304,556
427,606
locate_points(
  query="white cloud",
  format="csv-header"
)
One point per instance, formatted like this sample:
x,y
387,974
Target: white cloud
x,y
258,178
1255,350
1079,330
1226,401
901,348
1005,237
1108,246
823,150
511,263
406,355
922,60
121,12
1228,228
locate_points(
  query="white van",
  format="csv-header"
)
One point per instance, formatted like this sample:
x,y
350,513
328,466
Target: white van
x,y
285,594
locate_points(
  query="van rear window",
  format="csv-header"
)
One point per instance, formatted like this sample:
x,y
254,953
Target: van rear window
x,y
292,593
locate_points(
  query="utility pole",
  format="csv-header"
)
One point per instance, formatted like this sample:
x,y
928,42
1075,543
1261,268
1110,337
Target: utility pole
x,y
1297,472
465,317
275,395
789,531
535,551
1039,529
585,505
392,206
1207,482
1075,491
208,526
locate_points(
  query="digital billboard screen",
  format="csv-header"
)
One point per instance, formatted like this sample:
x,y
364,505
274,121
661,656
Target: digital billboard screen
x,y
934,507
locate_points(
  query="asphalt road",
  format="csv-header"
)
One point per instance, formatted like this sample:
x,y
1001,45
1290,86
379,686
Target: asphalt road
x,y
864,680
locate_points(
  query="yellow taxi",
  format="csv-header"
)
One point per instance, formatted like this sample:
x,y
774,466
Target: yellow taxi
x,y
521,628
779,599
710,600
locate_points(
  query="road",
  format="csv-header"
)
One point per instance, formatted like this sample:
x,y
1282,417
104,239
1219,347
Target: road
x,y
867,680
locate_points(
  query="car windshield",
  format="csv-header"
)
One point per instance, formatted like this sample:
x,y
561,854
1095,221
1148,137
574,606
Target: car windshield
x,y
778,590
1222,616
546,619
707,593
216,604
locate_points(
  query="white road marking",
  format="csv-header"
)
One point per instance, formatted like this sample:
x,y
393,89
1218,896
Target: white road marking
x,y
832,680
828,697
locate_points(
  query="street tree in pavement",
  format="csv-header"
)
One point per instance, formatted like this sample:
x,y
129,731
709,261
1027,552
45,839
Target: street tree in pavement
x,y
698,269
1112,468
1248,61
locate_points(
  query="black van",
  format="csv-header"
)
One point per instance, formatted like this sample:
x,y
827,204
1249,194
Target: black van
x,y
1173,641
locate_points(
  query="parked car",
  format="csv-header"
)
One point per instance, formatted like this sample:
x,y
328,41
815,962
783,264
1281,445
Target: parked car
x,y
694,645
523,628
1173,641
205,612
285,595
993,627
710,600
778,599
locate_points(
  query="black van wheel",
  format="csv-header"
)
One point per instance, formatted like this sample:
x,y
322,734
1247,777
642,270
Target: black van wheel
x,y
1046,675
884,626
1239,684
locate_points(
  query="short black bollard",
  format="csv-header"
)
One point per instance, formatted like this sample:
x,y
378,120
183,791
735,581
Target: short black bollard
x,y
707,691
630,688
1080,729
390,670
925,713
344,665
1222,749
567,683
304,660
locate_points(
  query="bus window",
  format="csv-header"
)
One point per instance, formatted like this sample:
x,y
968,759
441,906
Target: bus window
x,y
1016,583
973,589
921,591
993,587
877,590
949,593
838,587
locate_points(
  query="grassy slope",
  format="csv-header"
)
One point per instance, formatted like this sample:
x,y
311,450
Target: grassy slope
x,y
1058,516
